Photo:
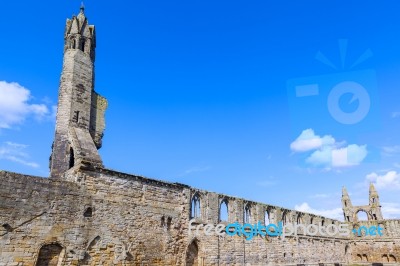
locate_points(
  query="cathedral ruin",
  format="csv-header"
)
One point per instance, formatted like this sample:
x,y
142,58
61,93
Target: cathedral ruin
x,y
86,214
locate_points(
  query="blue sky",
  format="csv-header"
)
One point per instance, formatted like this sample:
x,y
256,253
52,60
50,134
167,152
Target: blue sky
x,y
207,93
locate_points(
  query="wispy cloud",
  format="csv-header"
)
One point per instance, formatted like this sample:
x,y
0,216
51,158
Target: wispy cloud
x,y
195,169
335,213
326,152
388,181
391,150
320,196
15,152
15,105
395,114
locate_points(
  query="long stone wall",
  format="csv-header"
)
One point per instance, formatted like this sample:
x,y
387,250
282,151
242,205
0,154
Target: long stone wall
x,y
102,217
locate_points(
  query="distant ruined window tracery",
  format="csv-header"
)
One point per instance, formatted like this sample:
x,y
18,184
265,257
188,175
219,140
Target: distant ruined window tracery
x,y
195,207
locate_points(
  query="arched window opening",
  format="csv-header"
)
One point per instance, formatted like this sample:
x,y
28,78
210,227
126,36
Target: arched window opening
x,y
73,44
373,200
88,212
362,216
266,218
365,257
284,218
50,255
169,223
385,258
192,254
223,211
392,258
345,203
83,45
247,214
359,257
163,221
71,158
323,222
195,207
374,216
299,219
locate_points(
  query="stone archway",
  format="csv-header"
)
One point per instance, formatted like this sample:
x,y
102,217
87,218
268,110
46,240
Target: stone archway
x,y
50,255
362,215
192,254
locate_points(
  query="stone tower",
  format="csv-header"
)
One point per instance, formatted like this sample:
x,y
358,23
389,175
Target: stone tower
x,y
375,206
80,116
347,206
373,209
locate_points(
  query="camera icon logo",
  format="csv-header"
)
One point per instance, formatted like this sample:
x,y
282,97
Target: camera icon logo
x,y
359,93
344,103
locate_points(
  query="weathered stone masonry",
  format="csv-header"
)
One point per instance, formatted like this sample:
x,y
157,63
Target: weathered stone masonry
x,y
88,215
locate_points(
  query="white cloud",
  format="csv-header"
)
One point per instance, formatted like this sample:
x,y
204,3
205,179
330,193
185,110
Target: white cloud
x,y
336,213
343,157
308,141
389,181
327,152
16,153
390,210
15,106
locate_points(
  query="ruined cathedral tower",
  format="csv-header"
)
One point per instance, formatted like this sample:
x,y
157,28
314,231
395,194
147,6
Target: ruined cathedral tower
x,y
80,116
373,209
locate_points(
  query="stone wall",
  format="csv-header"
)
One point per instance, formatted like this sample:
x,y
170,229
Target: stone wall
x,y
102,217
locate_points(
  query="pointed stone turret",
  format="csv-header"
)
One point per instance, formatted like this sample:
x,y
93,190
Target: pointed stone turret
x,y
374,203
347,206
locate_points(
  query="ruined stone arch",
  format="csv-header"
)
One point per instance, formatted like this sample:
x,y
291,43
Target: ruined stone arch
x,y
192,253
385,258
50,254
357,215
